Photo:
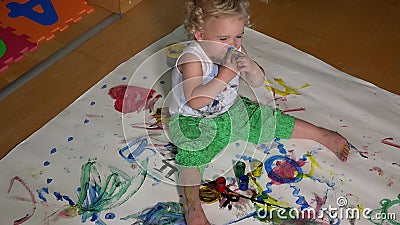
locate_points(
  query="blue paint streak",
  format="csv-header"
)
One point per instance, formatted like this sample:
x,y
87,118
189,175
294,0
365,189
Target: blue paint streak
x,y
265,148
300,199
245,158
61,197
281,149
53,150
268,186
253,214
84,217
71,203
58,196
110,216
100,222
94,217
137,152
356,149
161,213
329,184
40,193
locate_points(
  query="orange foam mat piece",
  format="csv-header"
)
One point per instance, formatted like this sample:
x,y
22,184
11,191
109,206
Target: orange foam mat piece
x,y
40,19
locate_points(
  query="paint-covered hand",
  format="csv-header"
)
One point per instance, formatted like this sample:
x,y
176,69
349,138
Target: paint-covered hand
x,y
249,70
228,67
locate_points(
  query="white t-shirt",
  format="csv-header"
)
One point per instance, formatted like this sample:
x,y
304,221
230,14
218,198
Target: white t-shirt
x,y
221,103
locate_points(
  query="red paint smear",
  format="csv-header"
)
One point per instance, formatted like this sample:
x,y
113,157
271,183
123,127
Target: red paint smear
x,y
27,216
320,202
133,99
389,141
293,110
390,182
286,170
377,169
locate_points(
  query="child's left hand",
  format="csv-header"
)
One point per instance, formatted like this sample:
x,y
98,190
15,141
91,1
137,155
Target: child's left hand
x,y
246,65
250,70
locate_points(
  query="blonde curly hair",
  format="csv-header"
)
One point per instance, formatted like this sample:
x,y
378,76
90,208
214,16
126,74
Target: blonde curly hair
x,y
197,11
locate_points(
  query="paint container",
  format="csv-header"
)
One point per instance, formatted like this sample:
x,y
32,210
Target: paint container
x,y
172,52
220,184
244,182
240,167
257,168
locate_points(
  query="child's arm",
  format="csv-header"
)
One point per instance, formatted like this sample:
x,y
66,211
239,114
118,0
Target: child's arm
x,y
251,72
197,94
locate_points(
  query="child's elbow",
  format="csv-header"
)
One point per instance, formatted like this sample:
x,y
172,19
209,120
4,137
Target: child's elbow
x,y
197,103
194,104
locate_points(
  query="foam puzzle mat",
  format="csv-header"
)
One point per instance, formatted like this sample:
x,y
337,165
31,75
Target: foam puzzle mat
x,y
102,161
32,22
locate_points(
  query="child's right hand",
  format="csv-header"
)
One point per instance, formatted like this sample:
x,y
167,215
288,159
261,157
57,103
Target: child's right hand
x,y
228,67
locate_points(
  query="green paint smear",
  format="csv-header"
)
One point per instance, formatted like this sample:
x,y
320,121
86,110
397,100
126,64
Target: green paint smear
x,y
165,213
3,48
100,192
385,213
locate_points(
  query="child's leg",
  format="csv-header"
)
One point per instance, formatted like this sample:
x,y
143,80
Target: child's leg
x,y
190,179
330,139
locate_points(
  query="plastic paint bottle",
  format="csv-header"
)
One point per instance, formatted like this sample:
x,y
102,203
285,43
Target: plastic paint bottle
x,y
257,168
220,184
240,167
244,182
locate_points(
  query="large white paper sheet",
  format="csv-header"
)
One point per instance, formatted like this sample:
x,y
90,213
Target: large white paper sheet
x,y
93,164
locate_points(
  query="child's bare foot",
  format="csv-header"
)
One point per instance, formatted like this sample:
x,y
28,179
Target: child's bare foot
x,y
330,139
196,217
194,213
336,143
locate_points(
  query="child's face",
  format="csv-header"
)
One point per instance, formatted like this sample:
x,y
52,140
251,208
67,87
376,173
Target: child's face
x,y
222,33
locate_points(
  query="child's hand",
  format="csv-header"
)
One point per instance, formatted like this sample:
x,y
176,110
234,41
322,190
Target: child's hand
x,y
228,67
250,70
246,65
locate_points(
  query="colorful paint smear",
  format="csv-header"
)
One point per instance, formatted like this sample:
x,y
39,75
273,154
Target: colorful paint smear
x,y
388,213
165,213
390,142
133,99
133,155
161,119
286,89
100,192
32,199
